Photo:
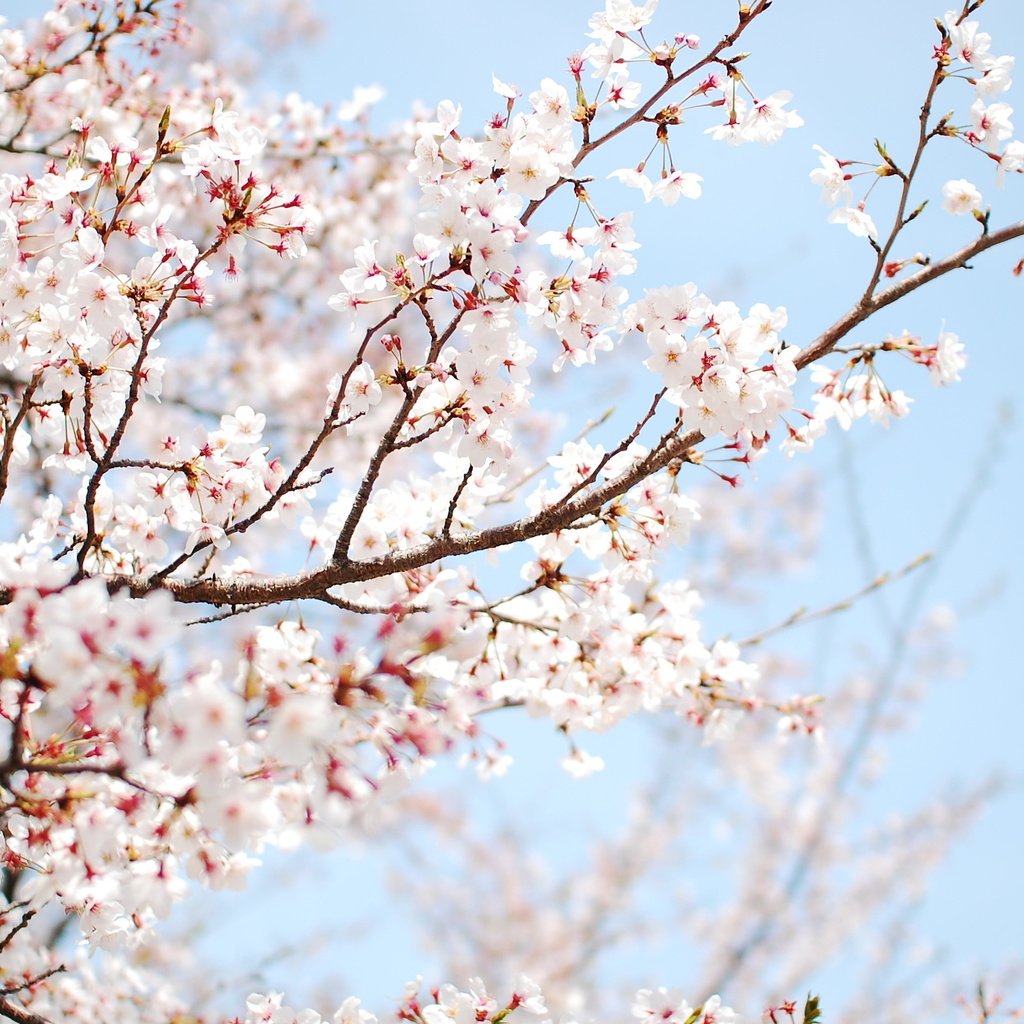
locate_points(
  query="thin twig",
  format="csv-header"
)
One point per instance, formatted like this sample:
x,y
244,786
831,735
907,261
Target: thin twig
x,y
802,616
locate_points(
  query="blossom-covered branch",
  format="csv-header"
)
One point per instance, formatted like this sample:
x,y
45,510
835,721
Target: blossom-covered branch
x,y
254,354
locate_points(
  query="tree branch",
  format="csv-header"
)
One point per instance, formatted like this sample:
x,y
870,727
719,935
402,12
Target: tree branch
x,y
314,584
17,1013
641,112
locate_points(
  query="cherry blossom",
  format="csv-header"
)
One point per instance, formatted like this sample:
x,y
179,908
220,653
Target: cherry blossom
x,y
857,220
960,197
275,381
832,179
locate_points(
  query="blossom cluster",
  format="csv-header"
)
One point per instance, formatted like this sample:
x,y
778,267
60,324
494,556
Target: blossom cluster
x,y
845,396
451,1005
964,52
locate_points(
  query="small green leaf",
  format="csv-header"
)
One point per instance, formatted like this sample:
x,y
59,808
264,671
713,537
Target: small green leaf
x,y
812,1010
916,212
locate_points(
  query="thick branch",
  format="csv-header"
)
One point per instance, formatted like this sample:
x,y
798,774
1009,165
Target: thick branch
x,y
22,1016
828,339
313,585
